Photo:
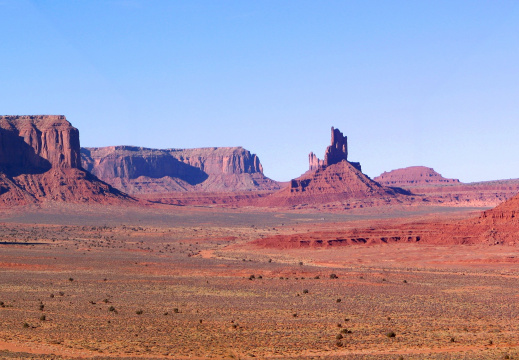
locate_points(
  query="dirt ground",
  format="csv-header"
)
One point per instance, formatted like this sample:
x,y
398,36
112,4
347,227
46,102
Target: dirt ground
x,y
97,282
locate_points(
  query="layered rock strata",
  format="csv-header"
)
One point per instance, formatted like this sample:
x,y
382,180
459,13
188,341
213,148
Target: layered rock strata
x,y
40,161
139,170
413,176
336,152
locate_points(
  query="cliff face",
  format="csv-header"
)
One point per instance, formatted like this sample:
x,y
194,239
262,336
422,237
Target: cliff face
x,y
140,170
40,161
38,143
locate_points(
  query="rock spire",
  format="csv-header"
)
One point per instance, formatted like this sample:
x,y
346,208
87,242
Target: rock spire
x,y
335,153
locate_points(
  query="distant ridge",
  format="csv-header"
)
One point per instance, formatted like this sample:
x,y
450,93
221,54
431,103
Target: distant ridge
x,y
413,176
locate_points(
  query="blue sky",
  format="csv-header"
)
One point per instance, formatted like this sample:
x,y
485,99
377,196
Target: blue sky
x,y
433,83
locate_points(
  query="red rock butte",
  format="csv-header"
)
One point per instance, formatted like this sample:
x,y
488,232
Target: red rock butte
x,y
41,141
330,180
40,161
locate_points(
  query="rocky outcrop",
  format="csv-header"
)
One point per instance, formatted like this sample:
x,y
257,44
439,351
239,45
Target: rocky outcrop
x,y
334,154
413,176
314,162
38,143
507,212
333,179
341,182
338,149
138,170
40,161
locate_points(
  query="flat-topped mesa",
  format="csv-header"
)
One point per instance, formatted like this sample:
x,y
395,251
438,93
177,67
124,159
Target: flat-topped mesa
x,y
139,170
38,142
413,176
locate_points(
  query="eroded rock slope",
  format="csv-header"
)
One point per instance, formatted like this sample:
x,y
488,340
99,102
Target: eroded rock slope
x,y
138,170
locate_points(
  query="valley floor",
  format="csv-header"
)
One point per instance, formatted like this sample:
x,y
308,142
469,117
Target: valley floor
x,y
185,283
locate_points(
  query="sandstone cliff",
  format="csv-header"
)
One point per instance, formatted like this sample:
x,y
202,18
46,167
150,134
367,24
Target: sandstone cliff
x,y
138,170
40,161
36,143
413,176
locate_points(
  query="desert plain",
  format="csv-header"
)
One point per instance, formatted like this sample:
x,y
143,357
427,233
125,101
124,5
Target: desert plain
x,y
194,282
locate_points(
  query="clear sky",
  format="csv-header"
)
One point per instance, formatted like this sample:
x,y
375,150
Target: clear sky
x,y
432,83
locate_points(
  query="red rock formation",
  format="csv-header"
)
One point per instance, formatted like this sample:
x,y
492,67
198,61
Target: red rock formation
x,y
333,180
506,213
38,142
329,239
341,182
139,170
413,176
497,226
338,149
40,161
335,153
314,162
439,190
